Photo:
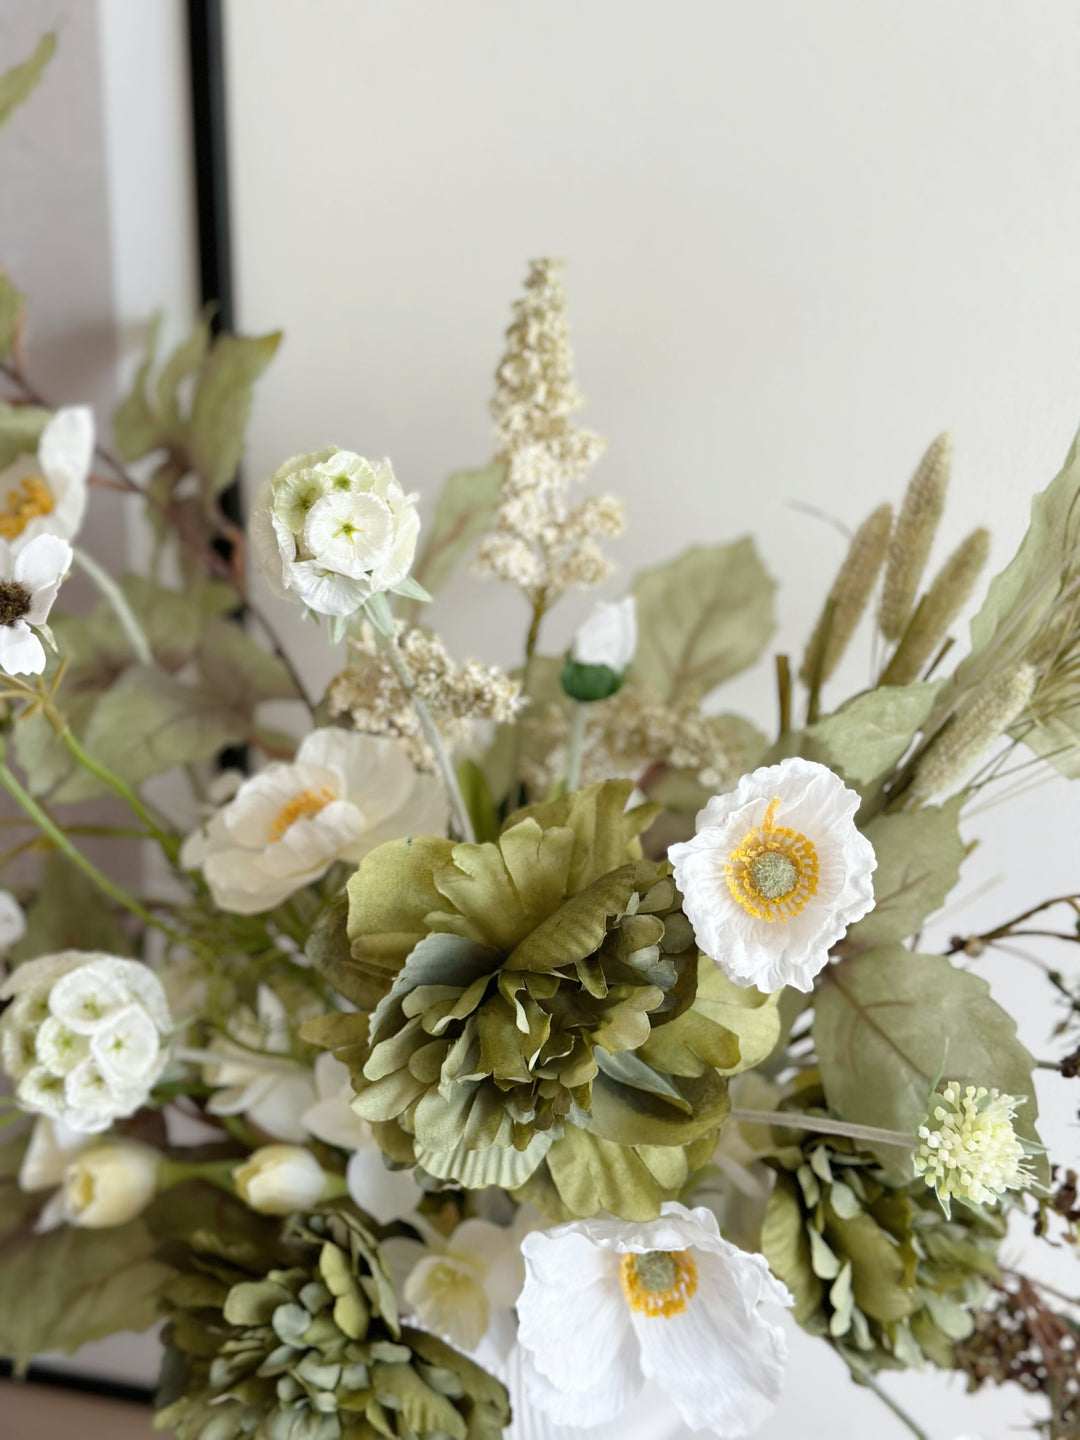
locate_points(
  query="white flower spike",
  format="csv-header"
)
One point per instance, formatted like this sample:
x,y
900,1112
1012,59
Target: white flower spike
x,y
45,494
344,794
29,580
775,874
968,1147
607,1305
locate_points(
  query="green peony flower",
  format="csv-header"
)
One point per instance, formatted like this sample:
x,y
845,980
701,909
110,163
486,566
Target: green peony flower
x,y
542,1024
311,1348
874,1265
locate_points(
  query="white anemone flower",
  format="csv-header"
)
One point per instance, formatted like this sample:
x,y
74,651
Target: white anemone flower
x,y
29,580
608,1304
256,1076
333,529
343,795
775,874
608,635
385,1194
45,494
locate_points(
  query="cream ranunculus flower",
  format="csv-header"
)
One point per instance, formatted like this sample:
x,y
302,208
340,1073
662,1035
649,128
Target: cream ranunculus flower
x,y
333,529
279,1179
104,1186
608,1304
608,636
29,580
343,795
775,874
45,494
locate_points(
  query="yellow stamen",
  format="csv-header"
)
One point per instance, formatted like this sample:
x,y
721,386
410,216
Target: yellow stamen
x,y
29,499
659,1282
300,807
753,876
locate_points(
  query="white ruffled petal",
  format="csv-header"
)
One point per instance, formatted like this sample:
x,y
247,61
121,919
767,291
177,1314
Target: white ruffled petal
x,y
387,1195
21,652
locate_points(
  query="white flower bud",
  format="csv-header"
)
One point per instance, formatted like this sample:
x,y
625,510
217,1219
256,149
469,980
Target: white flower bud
x,y
608,635
109,1184
279,1179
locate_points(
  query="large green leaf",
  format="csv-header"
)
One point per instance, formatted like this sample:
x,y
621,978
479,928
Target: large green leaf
x,y
866,737
222,404
70,1286
786,1246
463,511
728,1028
702,618
919,853
20,431
18,83
890,1024
238,670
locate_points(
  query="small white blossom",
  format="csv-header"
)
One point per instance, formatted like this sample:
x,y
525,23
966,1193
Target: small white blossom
x,y
29,580
344,794
45,494
103,1186
608,1304
968,1147
85,1037
333,529
278,1179
608,636
256,1077
775,874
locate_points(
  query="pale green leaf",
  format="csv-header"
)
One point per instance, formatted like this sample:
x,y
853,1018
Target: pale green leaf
x,y
889,1023
69,912
866,737
10,310
463,512
20,431
222,403
919,853
238,670
137,426
702,618
18,83
184,362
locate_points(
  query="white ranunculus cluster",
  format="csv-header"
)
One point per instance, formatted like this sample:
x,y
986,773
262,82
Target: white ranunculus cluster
x,y
333,529
344,794
85,1037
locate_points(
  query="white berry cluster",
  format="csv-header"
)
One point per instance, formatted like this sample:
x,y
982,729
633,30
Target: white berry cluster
x,y
84,1038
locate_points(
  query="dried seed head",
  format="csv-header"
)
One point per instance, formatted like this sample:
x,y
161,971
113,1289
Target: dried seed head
x,y
916,526
938,609
848,598
974,728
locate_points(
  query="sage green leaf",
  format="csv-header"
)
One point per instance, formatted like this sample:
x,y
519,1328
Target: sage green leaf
x,y
785,1244
69,912
18,83
889,1023
238,670
173,621
20,431
478,801
11,303
137,426
865,738
919,853
592,1174
463,512
222,404
184,362
702,618
41,753
728,1028
878,1273
424,1411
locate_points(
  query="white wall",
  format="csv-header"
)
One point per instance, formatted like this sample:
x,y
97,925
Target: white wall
x,y
803,239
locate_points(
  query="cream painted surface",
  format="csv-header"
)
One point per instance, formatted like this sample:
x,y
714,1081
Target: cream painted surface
x,y
802,239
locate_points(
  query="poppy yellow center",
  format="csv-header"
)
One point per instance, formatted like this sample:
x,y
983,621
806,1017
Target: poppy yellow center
x,y
659,1282
301,807
29,499
774,872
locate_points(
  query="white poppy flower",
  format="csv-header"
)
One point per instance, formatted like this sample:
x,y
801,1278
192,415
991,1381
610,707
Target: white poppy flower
x,y
464,1286
333,529
86,1037
45,494
12,921
608,636
608,1304
775,874
255,1075
278,1179
344,794
29,580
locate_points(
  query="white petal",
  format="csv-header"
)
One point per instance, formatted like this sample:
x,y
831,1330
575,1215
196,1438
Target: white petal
x,y
349,533
66,447
325,592
257,806
387,1195
281,1108
12,920
52,1146
271,544
21,652
89,994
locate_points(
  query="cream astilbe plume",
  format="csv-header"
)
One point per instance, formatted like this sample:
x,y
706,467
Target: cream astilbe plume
x,y
938,609
916,526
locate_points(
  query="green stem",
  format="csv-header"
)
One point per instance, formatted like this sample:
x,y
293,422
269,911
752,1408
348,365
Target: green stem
x,y
823,1125
112,592
49,828
170,844
217,1172
783,692
864,1377
577,745
459,812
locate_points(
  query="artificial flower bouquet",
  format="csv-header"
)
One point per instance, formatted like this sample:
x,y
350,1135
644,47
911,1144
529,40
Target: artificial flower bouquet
x,y
504,1043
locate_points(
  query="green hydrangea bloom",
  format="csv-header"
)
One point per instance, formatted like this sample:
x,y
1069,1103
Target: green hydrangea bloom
x,y
541,1024
310,1347
875,1265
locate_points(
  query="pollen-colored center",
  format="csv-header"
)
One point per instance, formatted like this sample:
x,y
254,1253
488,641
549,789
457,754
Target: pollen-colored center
x,y
774,871
301,807
659,1282
29,499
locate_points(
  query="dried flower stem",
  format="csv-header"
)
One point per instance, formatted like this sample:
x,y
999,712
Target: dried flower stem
x,y
824,1125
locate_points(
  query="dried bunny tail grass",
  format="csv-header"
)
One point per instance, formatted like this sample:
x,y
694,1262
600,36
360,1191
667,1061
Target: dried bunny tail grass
x,y
847,599
976,727
916,526
938,608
